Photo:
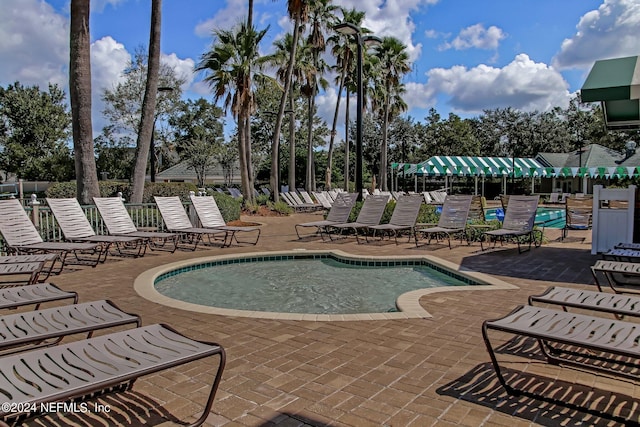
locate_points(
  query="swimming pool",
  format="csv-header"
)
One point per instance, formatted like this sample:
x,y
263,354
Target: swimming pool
x,y
387,279
550,217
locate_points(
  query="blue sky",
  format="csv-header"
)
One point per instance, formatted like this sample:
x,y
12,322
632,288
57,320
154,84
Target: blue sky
x,y
466,55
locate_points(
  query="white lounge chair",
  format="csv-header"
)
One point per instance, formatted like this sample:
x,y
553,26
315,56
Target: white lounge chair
x,y
211,217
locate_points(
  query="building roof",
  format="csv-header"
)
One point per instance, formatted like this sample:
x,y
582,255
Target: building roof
x,y
592,156
184,172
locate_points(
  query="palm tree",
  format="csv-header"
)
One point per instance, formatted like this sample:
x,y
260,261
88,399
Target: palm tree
x,y
298,11
393,65
80,97
145,130
280,59
321,17
229,63
344,51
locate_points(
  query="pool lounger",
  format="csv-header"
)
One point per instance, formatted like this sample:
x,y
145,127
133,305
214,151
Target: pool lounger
x,y
20,273
47,327
52,263
622,277
617,304
81,368
18,296
570,339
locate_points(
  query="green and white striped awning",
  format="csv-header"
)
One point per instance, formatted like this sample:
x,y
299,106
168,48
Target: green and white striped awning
x,y
503,166
473,166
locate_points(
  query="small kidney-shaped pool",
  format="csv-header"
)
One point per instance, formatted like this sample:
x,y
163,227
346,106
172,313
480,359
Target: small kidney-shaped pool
x,y
302,283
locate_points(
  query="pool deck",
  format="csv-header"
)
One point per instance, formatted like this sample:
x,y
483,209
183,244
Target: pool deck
x,y
394,372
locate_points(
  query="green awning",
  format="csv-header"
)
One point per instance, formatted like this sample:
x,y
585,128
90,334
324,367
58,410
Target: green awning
x,y
476,166
616,83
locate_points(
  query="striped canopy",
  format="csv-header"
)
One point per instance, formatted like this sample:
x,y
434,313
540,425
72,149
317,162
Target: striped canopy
x,y
473,166
500,166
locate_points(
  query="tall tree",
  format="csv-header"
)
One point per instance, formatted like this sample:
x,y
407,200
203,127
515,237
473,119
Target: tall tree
x,y
280,59
147,119
228,64
344,51
80,97
34,132
298,12
393,65
321,17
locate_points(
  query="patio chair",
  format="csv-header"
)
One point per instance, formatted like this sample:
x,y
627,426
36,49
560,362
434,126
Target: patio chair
x,y
370,214
519,221
323,198
19,296
118,222
44,328
102,364
51,263
338,214
15,274
579,214
22,237
210,217
593,343
621,276
606,302
76,228
452,222
404,217
177,221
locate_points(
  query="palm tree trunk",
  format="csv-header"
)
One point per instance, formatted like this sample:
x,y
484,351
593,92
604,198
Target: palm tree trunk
x,y
309,181
292,142
248,191
383,150
346,143
334,125
275,144
80,97
244,168
148,104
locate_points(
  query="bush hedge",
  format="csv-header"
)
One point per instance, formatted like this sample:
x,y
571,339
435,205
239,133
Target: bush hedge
x,y
112,188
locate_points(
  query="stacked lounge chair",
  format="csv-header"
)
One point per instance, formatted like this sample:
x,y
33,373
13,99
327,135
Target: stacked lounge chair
x,y
21,237
452,221
519,222
76,228
598,341
61,372
370,214
176,220
115,216
404,217
211,217
338,214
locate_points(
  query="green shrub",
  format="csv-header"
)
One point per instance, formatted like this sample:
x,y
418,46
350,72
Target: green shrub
x,y
166,189
262,199
428,214
230,208
281,207
61,190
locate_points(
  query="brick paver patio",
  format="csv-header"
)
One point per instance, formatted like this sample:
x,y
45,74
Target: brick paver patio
x,y
414,372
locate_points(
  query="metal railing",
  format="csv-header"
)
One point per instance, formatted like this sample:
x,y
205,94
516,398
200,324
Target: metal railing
x,y
145,216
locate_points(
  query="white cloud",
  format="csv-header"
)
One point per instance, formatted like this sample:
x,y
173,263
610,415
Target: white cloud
x,y
234,12
609,32
182,67
522,84
477,36
108,60
34,44
391,18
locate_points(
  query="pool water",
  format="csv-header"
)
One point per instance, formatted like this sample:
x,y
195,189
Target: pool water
x,y
550,217
324,285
